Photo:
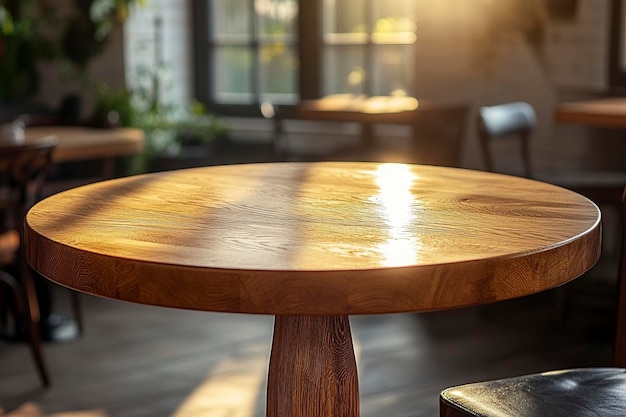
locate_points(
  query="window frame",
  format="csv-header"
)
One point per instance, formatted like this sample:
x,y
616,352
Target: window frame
x,y
310,48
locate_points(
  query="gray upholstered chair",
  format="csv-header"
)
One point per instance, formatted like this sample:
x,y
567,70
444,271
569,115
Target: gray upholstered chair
x,y
517,121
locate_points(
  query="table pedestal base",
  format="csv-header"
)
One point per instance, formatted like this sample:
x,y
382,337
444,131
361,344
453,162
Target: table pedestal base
x,y
312,371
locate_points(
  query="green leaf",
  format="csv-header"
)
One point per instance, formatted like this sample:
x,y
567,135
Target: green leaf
x,y
6,22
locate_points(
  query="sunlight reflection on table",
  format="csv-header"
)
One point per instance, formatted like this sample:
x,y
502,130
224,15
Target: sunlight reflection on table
x,y
398,208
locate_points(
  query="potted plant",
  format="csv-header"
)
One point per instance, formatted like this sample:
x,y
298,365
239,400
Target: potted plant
x,y
20,46
176,136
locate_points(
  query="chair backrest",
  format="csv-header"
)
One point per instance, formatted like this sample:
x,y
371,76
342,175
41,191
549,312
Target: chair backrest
x,y
510,120
23,169
619,353
438,133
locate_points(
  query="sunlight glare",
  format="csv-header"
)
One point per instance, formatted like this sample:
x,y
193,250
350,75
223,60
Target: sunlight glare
x,y
398,207
231,390
31,409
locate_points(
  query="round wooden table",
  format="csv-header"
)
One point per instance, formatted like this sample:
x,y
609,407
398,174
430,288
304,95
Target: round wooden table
x,y
83,143
312,243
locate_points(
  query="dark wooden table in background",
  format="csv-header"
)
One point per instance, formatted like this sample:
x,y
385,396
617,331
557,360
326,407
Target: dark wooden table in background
x,y
603,113
83,144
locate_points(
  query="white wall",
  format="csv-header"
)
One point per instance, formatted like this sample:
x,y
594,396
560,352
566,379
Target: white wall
x,y
129,47
108,67
176,46
469,52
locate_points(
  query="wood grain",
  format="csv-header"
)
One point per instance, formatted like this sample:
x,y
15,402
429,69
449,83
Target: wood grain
x,y
81,143
359,109
369,110
312,369
314,238
436,128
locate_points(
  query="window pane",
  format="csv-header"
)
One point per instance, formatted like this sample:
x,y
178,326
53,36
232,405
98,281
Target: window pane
x,y
276,17
393,73
344,16
233,74
391,16
230,17
344,69
279,65
368,38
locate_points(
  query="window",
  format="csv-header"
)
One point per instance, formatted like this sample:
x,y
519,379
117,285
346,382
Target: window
x,y
253,50
368,46
249,51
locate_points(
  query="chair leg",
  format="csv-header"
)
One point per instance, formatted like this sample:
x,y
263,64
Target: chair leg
x,y
37,352
27,308
32,315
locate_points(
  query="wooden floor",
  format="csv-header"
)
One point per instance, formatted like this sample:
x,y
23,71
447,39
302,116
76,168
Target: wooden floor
x,y
142,361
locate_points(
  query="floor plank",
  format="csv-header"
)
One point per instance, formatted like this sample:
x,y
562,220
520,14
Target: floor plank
x,y
136,360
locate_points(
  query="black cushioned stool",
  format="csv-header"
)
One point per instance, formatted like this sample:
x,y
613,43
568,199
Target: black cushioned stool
x,y
585,392
570,393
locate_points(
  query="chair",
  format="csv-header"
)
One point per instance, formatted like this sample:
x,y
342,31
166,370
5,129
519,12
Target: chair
x,y
436,137
437,134
567,393
34,190
517,120
23,169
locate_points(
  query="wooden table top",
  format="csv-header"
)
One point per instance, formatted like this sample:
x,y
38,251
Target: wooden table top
x,y
82,143
314,238
358,108
605,113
